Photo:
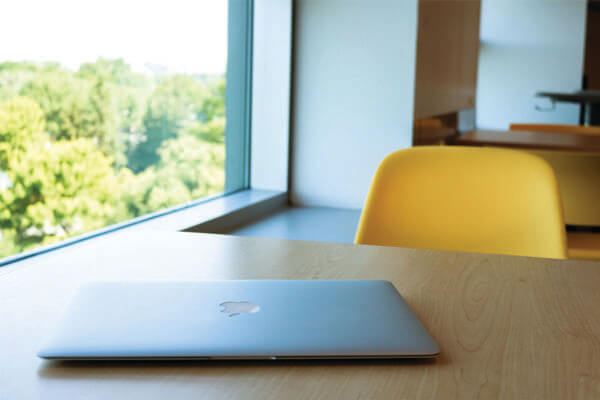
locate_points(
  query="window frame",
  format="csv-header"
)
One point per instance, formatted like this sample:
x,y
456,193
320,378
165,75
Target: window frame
x,y
240,202
238,94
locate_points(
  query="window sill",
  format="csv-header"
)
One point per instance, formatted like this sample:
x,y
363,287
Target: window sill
x,y
214,215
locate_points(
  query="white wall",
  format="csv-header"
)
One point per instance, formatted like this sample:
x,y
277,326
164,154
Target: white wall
x,y
354,72
528,46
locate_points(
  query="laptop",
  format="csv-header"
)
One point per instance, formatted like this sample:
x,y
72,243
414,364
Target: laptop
x,y
254,319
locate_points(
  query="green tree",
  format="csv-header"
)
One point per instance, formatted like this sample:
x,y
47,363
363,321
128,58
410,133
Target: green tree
x,y
57,93
55,189
188,169
214,104
14,75
212,131
173,105
75,108
12,80
130,92
64,138
196,163
115,71
21,125
152,190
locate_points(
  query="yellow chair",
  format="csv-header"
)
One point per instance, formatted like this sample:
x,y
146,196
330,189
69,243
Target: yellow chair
x,y
465,199
557,128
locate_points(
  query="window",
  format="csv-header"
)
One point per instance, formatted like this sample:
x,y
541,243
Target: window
x,y
115,112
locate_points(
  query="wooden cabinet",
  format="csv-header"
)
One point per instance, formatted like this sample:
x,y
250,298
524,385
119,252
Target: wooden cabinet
x,y
446,59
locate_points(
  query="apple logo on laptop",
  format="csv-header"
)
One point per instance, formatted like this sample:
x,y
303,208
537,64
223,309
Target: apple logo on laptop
x,y
234,308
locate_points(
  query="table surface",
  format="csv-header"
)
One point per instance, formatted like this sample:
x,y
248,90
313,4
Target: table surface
x,y
531,140
508,327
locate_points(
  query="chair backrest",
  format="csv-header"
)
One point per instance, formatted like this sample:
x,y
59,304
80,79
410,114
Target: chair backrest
x,y
557,128
578,176
465,199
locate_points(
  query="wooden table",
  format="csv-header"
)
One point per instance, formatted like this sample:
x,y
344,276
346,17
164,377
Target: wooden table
x,y
530,140
508,327
589,100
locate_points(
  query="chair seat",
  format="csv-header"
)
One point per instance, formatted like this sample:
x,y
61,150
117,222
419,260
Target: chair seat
x,y
583,245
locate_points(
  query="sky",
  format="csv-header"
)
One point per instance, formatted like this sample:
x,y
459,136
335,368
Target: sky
x,y
186,36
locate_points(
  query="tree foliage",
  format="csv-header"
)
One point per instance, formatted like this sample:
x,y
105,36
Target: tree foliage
x,y
177,102
57,188
80,150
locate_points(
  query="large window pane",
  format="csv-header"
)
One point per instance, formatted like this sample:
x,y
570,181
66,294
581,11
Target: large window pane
x,y
112,112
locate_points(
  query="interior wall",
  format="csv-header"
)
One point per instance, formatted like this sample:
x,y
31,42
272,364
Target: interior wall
x,y
354,73
528,46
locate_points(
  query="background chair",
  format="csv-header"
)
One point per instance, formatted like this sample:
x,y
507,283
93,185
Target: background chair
x,y
578,177
465,199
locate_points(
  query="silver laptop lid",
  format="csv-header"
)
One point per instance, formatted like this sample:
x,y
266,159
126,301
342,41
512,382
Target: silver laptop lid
x,y
239,319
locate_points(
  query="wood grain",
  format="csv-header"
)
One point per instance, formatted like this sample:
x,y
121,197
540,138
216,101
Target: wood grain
x,y
530,140
508,327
